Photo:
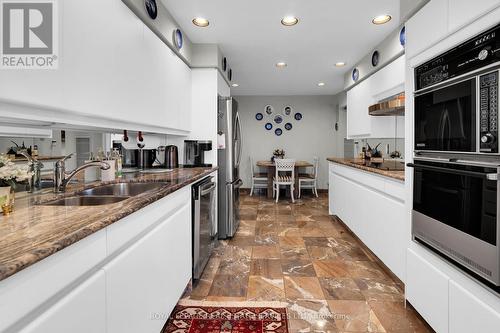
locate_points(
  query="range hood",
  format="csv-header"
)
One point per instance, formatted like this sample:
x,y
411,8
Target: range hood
x,y
392,106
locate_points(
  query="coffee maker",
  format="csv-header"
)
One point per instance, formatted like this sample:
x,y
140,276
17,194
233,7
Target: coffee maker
x,y
194,153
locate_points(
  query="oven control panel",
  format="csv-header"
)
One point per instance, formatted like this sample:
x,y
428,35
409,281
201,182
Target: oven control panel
x,y
488,112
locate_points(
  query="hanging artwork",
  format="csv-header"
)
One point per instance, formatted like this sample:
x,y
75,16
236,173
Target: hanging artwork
x,y
278,132
287,110
259,116
269,126
269,110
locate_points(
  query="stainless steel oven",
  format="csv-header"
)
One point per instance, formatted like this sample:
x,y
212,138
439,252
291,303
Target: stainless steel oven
x,y
455,211
456,98
457,161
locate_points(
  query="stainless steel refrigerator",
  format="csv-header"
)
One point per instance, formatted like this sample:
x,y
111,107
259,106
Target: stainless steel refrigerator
x,y
229,158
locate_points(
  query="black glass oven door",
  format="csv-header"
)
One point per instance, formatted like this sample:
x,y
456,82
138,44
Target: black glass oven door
x,y
445,119
461,196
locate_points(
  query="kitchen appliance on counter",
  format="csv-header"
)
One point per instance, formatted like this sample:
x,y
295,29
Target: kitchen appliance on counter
x,y
204,205
194,153
130,157
147,158
456,189
229,158
171,157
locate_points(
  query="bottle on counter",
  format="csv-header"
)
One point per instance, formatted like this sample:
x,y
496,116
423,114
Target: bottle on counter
x,y
118,162
34,151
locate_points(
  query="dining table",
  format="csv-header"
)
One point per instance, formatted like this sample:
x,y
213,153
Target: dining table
x,y
271,171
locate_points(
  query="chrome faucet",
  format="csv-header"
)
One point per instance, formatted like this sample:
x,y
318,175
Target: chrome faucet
x,y
61,177
34,167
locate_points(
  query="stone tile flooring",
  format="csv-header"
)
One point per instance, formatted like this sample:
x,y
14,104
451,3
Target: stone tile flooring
x,y
296,253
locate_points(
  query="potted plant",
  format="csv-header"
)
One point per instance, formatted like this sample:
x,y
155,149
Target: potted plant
x,y
10,175
278,153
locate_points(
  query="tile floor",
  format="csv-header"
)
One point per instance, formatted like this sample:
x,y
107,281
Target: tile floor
x,y
296,253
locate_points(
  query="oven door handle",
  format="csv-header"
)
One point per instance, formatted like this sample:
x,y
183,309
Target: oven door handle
x,y
488,176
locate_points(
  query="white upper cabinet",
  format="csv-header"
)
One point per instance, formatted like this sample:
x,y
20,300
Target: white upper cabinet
x,y
427,26
111,66
385,83
358,100
462,12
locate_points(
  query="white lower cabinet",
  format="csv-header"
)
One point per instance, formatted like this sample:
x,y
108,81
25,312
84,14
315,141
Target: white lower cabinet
x,y
369,205
470,314
83,310
144,283
427,291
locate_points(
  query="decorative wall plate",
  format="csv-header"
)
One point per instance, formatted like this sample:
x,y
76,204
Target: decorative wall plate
x,y
178,39
269,126
402,36
151,8
278,131
288,126
278,119
224,64
298,116
259,116
375,58
269,110
287,110
355,74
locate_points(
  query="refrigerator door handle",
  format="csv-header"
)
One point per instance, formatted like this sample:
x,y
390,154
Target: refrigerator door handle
x,y
238,139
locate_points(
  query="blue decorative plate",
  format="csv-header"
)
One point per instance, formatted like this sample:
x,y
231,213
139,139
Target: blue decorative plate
x,y
355,74
288,126
259,116
375,58
278,131
178,39
278,119
298,116
402,36
269,126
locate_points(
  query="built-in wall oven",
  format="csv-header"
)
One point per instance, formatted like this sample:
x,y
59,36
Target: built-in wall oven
x,y
456,98
456,191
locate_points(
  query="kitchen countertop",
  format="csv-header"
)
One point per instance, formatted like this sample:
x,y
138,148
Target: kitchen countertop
x,y
392,169
33,232
38,158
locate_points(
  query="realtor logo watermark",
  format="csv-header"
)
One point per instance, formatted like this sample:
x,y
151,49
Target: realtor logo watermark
x,y
29,37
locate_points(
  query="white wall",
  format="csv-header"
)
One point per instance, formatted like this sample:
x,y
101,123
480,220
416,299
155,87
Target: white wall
x,y
313,136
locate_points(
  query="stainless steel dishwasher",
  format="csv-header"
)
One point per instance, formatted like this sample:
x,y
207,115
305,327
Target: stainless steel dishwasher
x,y
204,223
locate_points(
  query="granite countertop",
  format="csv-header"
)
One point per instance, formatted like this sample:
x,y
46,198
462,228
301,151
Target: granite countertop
x,y
38,158
33,232
392,169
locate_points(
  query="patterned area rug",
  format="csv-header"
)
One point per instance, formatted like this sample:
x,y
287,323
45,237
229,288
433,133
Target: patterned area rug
x,y
206,319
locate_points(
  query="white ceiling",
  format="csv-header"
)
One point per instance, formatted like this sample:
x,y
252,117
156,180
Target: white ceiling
x,y
252,38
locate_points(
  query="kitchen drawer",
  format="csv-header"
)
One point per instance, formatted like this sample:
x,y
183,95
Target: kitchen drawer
x,y
427,291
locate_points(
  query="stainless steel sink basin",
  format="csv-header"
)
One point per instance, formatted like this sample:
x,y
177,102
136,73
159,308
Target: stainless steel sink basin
x,y
86,201
122,189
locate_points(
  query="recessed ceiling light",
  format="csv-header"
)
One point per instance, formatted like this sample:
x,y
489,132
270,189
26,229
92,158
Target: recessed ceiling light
x,y
381,19
281,64
339,64
321,84
200,22
235,85
288,21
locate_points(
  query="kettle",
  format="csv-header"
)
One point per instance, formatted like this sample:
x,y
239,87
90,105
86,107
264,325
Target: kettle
x,y
171,157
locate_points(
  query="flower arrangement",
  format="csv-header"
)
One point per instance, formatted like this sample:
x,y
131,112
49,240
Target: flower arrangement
x,y
11,173
279,153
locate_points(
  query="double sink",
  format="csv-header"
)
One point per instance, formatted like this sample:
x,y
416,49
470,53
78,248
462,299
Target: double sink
x,y
105,194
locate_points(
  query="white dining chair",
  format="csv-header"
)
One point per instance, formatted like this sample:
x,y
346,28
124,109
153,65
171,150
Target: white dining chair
x,y
285,176
310,181
259,180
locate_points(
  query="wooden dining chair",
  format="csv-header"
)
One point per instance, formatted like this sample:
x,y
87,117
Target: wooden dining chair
x,y
310,181
259,180
285,176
